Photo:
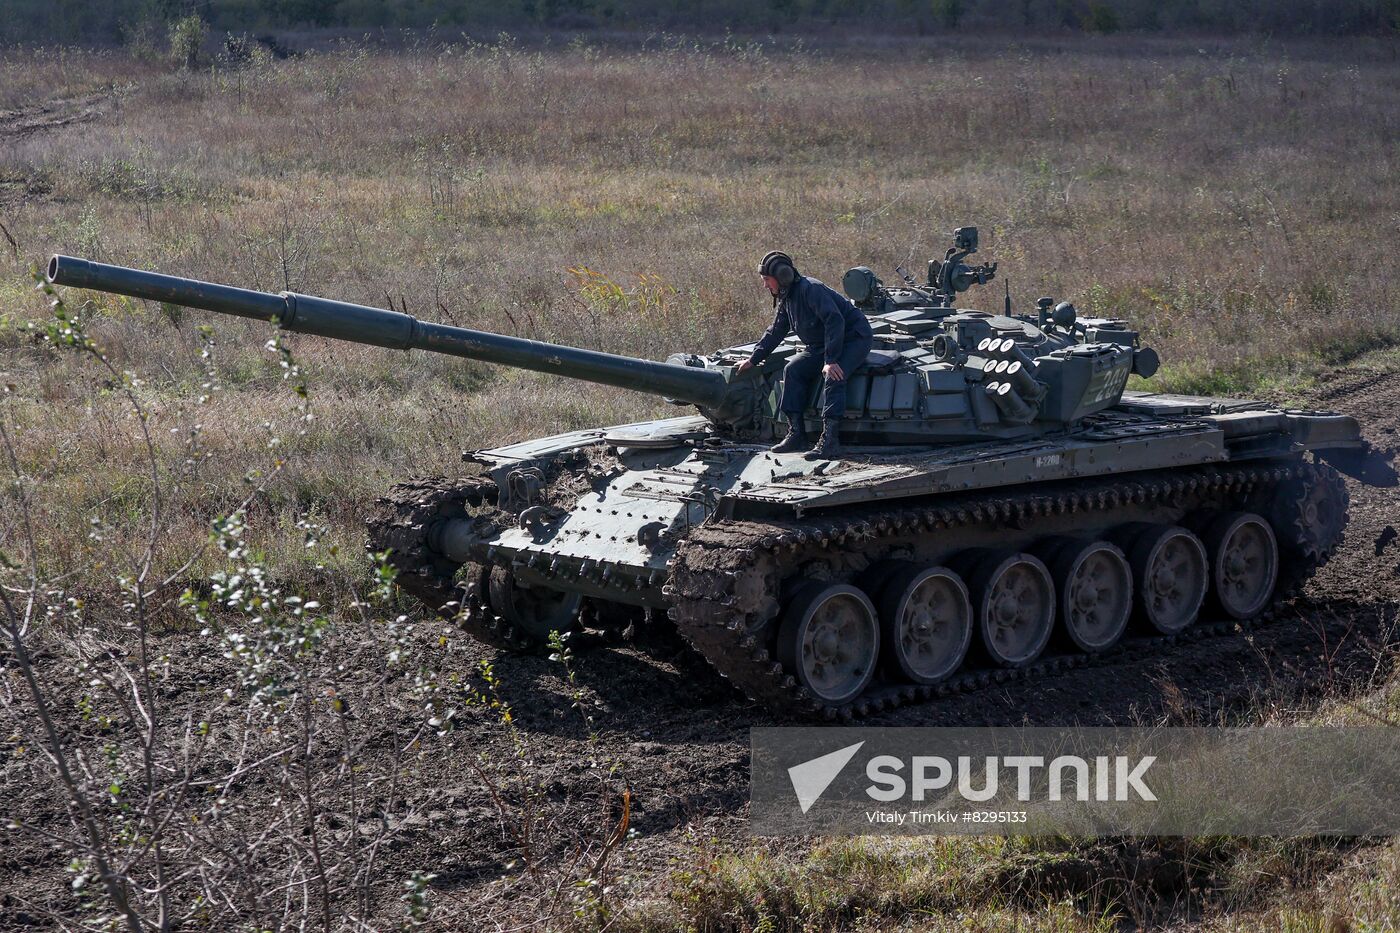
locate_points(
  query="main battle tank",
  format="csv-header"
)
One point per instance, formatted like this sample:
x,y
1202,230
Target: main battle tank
x,y
1003,506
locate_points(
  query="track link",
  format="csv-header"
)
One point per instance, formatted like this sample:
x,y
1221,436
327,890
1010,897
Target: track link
x,y
403,523
725,580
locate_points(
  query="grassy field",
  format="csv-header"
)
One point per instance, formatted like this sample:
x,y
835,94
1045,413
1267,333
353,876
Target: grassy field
x,y
1239,201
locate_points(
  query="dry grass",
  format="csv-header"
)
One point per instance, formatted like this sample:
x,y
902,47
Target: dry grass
x,y
1238,201
1088,886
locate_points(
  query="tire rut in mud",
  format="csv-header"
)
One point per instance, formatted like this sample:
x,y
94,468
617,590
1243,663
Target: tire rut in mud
x,y
53,114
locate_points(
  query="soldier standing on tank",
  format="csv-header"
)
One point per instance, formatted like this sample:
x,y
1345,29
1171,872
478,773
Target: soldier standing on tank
x,y
836,337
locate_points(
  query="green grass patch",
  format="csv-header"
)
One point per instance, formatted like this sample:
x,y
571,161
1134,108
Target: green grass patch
x,y
1276,375
864,883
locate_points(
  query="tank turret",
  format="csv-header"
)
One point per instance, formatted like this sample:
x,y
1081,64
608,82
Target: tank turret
x,y
935,373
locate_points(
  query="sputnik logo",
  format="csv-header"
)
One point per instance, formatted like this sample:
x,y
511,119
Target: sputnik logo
x,y
811,778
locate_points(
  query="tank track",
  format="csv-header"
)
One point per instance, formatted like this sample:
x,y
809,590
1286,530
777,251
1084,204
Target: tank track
x,y
402,523
725,579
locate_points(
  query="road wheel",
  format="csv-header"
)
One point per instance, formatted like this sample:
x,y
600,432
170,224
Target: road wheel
x,y
830,640
1170,576
926,623
534,611
1013,598
1243,563
1095,588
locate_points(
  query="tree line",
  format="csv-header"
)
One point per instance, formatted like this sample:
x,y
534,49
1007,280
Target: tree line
x,y
114,21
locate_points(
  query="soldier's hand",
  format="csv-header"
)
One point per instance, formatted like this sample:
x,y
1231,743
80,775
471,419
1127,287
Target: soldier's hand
x,y
832,371
745,366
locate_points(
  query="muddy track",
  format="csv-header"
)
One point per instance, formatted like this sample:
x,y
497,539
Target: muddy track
x,y
402,524
54,114
725,597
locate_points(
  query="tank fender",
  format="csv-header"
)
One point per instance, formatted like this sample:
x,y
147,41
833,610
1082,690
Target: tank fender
x,y
1362,463
1323,429
1337,440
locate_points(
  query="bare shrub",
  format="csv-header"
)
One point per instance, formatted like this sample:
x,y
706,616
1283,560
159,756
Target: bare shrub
x,y
265,790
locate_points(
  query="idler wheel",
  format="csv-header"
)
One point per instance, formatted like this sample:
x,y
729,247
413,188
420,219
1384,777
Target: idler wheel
x,y
830,640
1243,563
1094,585
1170,576
926,623
1014,600
534,611
1310,514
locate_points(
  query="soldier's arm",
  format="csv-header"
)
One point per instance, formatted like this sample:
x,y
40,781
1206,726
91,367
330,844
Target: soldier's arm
x,y
824,304
779,329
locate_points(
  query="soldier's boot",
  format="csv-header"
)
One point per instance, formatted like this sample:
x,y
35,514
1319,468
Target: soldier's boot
x,y
829,447
795,440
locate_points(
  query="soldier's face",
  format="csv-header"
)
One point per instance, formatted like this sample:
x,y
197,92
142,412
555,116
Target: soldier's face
x,y
771,284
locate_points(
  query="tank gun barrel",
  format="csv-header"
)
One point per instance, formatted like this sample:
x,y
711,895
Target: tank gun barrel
x,y
306,314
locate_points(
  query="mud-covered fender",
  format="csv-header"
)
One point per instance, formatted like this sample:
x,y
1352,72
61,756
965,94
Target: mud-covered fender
x,y
1337,440
1362,463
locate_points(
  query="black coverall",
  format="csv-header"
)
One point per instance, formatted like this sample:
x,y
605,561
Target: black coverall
x,y
831,329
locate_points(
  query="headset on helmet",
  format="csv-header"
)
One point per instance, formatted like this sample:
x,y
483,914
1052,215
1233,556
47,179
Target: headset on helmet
x,y
780,266
773,260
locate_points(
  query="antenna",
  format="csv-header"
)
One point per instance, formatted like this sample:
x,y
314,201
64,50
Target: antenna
x,y
1007,283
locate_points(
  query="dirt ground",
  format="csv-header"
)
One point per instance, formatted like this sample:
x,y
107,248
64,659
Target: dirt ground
x,y
677,736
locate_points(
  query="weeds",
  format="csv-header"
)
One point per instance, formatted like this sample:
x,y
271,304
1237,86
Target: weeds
x,y
254,795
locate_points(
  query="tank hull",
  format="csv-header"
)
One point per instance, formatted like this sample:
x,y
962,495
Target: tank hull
x,y
713,537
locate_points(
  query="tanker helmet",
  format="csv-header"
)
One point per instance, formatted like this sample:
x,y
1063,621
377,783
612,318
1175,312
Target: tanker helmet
x,y
780,266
